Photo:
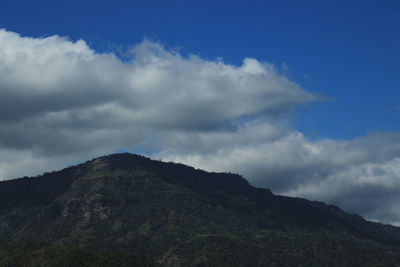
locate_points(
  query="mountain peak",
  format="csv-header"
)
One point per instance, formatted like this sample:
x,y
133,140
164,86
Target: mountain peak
x,y
175,213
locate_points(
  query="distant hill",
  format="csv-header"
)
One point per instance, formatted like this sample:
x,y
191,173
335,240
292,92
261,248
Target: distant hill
x,y
128,209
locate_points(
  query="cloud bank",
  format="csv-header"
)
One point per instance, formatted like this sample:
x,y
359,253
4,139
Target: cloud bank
x,y
62,102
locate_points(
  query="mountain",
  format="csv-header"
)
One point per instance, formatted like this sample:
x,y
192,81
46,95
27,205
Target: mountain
x,y
128,210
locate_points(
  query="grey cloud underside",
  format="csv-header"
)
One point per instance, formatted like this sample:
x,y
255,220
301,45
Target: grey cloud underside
x,y
61,102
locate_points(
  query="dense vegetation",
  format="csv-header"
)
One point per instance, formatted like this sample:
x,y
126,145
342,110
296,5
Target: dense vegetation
x,y
123,209
59,256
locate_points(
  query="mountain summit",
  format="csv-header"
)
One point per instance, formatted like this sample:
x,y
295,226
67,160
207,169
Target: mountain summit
x,y
175,215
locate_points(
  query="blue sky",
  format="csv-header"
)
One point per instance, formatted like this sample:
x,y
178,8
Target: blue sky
x,y
301,97
347,51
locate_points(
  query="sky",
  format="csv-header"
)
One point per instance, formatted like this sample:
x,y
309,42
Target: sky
x,y
301,97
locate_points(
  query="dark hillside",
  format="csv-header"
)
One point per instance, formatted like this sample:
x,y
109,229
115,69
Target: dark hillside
x,y
180,216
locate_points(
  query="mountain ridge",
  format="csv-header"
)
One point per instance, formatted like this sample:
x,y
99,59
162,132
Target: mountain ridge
x,y
158,210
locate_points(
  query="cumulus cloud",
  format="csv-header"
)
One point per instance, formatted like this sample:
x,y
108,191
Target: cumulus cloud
x,y
360,175
62,90
62,102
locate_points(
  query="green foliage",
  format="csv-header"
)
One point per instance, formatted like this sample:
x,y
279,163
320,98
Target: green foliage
x,y
49,256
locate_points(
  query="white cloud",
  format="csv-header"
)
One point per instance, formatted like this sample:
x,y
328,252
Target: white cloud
x,y
61,102
360,175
